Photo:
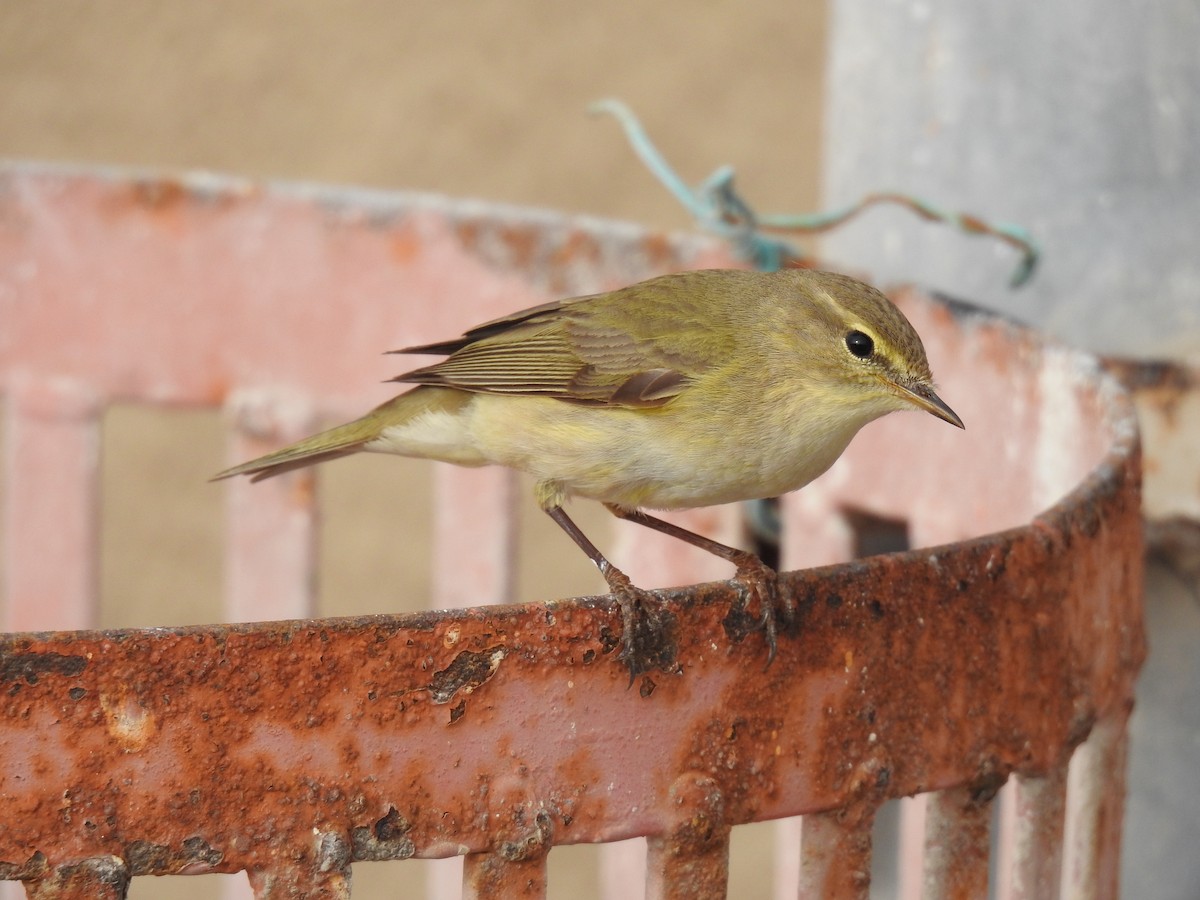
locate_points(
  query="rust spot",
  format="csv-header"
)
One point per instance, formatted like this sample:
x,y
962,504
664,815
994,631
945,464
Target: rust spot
x,y
192,857
579,245
406,246
30,667
1160,385
658,249
391,826
129,723
534,843
386,839
35,867
159,193
466,672
646,687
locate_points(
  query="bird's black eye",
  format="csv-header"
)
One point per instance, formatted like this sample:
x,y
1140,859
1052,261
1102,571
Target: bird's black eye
x,y
860,344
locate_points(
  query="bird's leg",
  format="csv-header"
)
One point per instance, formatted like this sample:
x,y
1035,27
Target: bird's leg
x,y
758,580
646,639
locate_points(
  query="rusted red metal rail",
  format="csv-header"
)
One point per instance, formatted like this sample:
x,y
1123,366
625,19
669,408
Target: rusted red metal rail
x,y
1002,653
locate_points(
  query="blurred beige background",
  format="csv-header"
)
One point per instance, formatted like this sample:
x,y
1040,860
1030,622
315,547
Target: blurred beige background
x,y
470,99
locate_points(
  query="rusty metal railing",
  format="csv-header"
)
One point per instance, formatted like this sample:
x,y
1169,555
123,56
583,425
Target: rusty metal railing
x,y
998,660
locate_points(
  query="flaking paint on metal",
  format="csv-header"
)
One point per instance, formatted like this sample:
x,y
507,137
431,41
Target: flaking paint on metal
x,y
263,730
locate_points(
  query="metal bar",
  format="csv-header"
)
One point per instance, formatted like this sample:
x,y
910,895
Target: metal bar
x,y
474,563
359,717
229,748
653,559
691,860
474,537
957,844
492,876
1095,808
835,855
523,832
51,505
910,879
1032,868
623,869
787,836
271,526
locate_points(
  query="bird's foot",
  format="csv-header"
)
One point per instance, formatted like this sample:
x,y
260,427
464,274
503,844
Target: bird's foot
x,y
759,586
647,627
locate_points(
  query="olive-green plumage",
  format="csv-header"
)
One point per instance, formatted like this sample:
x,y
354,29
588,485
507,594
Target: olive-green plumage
x,y
685,390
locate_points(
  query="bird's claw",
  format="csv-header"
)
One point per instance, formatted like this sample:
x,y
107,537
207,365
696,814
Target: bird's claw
x,y
647,628
759,583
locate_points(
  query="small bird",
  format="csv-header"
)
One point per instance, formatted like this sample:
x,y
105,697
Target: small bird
x,y
687,390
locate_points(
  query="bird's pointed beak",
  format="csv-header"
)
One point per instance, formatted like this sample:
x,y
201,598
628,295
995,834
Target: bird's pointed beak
x,y
922,395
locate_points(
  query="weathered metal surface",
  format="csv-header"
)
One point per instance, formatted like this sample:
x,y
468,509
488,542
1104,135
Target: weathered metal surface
x,y
1167,397
292,749
293,290
957,842
51,504
101,878
691,859
1095,810
835,854
252,737
1035,870
271,529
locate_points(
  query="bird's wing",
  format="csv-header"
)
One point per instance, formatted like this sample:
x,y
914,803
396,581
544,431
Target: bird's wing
x,y
585,350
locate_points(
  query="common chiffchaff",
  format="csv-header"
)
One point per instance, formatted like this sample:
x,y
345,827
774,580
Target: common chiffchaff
x,y
686,390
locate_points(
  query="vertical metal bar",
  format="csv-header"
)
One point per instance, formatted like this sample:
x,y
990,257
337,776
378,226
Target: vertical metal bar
x,y
835,856
51,508
1032,869
957,845
678,869
911,852
474,562
445,878
692,859
623,870
525,832
474,536
787,858
656,560
270,546
1005,840
1095,809
490,876
813,533
271,538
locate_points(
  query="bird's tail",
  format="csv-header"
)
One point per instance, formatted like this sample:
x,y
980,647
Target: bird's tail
x,y
332,444
347,439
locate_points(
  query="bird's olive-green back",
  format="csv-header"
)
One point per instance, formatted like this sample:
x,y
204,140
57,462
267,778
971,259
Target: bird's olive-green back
x,y
644,344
